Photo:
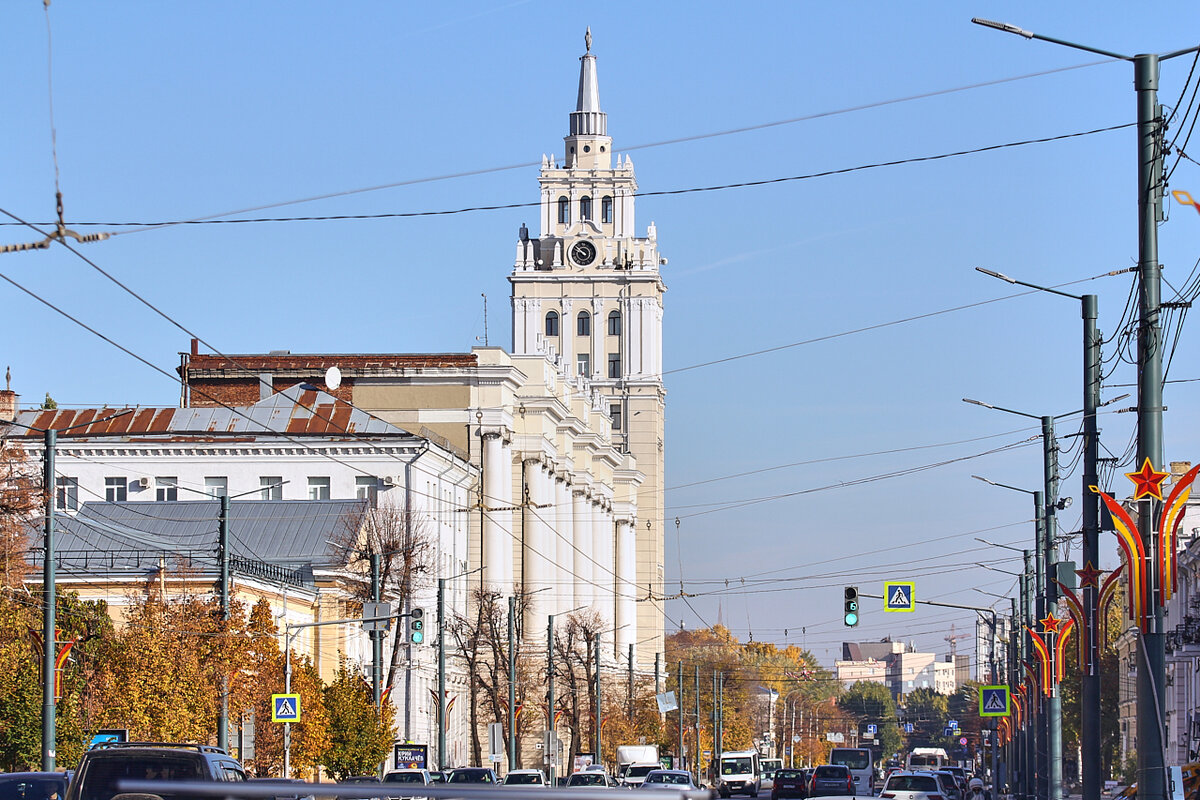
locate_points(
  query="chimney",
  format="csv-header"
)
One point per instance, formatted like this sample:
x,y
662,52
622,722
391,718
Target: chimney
x,y
8,399
1179,469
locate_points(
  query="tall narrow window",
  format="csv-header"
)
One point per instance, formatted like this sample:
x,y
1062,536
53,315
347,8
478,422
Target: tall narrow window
x,y
216,487
564,211
614,323
606,214
366,487
67,498
583,364
271,487
583,324
166,489
614,413
318,488
552,323
614,365
585,208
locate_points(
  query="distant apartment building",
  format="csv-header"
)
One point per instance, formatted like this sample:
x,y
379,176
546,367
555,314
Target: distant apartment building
x,y
896,665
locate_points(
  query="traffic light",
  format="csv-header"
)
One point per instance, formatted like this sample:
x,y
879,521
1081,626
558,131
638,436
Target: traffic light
x,y
851,615
416,625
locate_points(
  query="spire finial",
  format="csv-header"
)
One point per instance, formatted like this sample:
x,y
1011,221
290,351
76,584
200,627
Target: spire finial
x,y
587,38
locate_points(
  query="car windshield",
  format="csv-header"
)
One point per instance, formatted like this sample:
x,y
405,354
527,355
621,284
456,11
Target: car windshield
x,y
404,777
99,781
586,779
788,775
639,772
830,772
736,766
854,759
470,776
676,778
911,783
524,778
27,788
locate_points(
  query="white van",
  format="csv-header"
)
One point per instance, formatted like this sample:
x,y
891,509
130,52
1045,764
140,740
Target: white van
x,y
861,764
739,773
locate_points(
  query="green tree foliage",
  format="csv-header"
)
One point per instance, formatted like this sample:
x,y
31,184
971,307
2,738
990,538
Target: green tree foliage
x,y
359,737
871,702
927,711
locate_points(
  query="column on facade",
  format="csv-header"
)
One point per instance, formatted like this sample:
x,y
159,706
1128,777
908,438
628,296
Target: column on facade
x,y
564,541
497,525
626,585
566,330
582,552
537,567
602,553
599,331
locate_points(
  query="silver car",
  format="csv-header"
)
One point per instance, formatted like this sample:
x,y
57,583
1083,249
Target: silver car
x,y
675,779
913,786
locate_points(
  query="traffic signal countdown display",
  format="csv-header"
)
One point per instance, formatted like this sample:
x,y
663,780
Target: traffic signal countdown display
x,y
851,608
416,626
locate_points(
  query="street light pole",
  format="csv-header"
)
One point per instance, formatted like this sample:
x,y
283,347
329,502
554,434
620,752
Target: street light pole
x,y
1151,673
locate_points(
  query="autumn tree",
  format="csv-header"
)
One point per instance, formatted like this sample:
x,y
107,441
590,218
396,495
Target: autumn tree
x,y
360,736
575,678
401,537
927,711
870,702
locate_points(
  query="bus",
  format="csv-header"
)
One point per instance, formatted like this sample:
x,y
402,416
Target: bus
x,y
926,758
861,764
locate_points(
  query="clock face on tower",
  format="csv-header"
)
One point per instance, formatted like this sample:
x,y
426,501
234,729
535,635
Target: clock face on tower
x,y
583,253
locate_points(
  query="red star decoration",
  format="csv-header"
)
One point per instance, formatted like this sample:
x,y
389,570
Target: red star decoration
x,y
1050,624
1089,575
1148,481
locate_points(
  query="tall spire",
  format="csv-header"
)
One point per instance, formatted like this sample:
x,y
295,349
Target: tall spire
x,y
588,119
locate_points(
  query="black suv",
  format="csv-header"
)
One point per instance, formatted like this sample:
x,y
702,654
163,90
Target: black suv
x,y
105,764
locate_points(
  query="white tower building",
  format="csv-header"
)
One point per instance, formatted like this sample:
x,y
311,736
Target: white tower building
x,y
589,290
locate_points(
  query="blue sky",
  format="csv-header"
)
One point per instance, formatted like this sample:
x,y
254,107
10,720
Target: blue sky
x,y
179,111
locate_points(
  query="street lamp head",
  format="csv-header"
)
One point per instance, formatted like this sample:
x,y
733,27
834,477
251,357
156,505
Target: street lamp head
x,y
1063,503
1116,399
985,480
977,402
1002,26
994,274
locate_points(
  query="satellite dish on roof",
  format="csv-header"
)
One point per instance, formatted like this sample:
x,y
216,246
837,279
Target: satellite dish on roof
x,y
333,378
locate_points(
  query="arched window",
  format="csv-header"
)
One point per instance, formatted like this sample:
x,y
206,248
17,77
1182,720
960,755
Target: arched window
x,y
606,209
614,323
583,324
564,211
552,324
585,208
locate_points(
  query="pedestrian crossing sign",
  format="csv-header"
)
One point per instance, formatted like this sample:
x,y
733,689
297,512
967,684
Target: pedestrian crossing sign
x,y
898,596
285,708
994,701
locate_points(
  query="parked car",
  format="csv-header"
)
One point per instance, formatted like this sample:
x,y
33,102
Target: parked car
x,y
831,779
590,778
526,777
109,762
33,785
668,779
907,785
473,775
789,783
405,779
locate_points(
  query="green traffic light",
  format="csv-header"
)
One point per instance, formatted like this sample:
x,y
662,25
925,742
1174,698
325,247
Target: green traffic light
x,y
851,618
418,637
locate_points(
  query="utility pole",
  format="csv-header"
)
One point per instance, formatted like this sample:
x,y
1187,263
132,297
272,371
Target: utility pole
x,y
223,591
1089,698
551,757
599,706
720,717
512,684
49,601
630,688
1050,545
679,685
1032,718
696,755
441,690
376,642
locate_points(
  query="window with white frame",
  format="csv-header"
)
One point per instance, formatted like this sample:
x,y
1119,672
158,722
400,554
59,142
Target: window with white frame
x,y
116,490
583,364
166,489
216,486
366,487
271,487
67,496
318,488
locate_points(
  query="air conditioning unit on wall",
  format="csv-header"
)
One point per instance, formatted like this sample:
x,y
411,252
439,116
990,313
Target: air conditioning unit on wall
x,y
143,483
391,480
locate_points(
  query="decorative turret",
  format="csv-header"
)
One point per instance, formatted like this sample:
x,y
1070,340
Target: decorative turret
x,y
588,145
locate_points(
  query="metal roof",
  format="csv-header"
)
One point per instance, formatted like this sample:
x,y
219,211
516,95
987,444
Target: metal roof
x,y
301,409
265,536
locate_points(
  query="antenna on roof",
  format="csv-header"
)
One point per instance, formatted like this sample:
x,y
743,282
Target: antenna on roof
x,y
485,330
